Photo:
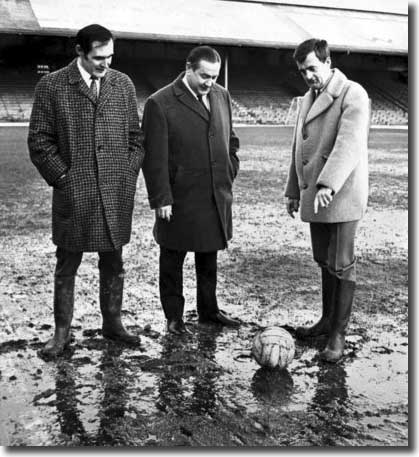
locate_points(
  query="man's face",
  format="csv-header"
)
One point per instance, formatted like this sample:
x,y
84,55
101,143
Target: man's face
x,y
98,59
314,72
203,77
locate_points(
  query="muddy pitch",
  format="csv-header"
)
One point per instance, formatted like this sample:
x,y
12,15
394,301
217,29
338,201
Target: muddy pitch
x,y
204,389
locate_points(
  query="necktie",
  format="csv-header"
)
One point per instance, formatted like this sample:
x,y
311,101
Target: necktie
x,y
200,99
93,87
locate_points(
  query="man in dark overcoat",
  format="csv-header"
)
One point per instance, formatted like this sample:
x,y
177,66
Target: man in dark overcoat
x,y
85,140
328,182
189,168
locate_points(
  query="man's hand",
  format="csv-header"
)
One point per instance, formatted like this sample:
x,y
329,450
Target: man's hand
x,y
58,182
165,212
292,206
323,198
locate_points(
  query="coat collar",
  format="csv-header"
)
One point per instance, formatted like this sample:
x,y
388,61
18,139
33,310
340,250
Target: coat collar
x,y
312,108
106,85
184,95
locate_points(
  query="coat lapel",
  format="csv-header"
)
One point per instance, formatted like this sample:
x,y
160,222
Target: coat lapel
x,y
184,96
215,105
106,90
76,79
322,102
306,104
326,98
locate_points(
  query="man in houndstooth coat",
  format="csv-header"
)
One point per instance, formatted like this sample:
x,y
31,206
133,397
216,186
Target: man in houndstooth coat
x,y
85,140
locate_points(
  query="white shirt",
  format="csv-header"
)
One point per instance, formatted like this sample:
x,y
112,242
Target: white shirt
x,y
87,76
204,97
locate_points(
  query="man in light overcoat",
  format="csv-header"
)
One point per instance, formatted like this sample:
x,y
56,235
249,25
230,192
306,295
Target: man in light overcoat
x,y
189,168
328,183
85,140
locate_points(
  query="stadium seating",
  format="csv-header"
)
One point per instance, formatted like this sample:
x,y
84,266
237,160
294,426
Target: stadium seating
x,y
16,93
388,95
257,97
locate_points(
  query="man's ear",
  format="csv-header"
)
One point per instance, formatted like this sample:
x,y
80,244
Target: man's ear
x,y
79,50
328,61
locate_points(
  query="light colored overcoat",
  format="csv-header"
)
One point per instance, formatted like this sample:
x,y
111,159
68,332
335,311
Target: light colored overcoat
x,y
97,144
330,148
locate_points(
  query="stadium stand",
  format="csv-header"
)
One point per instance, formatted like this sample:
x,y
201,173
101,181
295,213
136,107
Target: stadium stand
x,y
257,97
276,102
260,97
142,86
16,93
154,37
389,98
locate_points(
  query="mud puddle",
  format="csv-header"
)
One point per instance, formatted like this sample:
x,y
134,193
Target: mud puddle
x,y
202,389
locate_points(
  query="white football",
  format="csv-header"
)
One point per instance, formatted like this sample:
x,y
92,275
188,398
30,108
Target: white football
x,y
273,347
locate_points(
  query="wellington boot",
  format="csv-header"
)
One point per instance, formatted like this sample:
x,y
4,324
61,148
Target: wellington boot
x,y
343,306
323,326
63,315
111,291
56,345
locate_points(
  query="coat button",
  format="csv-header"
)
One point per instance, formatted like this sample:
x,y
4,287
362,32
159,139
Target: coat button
x,y
305,162
305,136
305,186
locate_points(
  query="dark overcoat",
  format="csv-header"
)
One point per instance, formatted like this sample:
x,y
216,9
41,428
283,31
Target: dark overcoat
x,y
98,146
190,163
330,148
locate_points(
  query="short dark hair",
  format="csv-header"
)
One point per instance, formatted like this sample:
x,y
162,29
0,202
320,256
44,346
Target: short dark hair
x,y
93,32
202,53
320,48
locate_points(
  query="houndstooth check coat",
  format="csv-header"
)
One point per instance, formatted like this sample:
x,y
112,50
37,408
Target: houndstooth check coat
x,y
98,146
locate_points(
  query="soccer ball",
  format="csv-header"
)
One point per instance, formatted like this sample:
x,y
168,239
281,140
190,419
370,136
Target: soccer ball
x,y
273,347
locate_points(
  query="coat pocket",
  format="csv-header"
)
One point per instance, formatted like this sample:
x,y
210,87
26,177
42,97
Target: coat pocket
x,y
61,198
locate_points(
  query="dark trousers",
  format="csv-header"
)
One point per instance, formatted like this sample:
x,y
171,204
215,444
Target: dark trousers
x,y
171,282
333,248
69,262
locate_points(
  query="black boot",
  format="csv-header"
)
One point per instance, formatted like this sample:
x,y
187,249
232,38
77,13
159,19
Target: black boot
x,y
63,314
177,327
111,290
323,326
343,306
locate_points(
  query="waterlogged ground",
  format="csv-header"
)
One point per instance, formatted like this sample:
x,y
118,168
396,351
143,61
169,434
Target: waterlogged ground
x,y
204,389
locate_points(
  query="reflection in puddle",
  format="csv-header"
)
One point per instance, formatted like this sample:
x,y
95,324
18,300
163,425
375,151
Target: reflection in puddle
x,y
102,394
272,386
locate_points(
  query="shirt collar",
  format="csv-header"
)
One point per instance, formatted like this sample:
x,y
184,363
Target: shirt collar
x,y
85,74
185,81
